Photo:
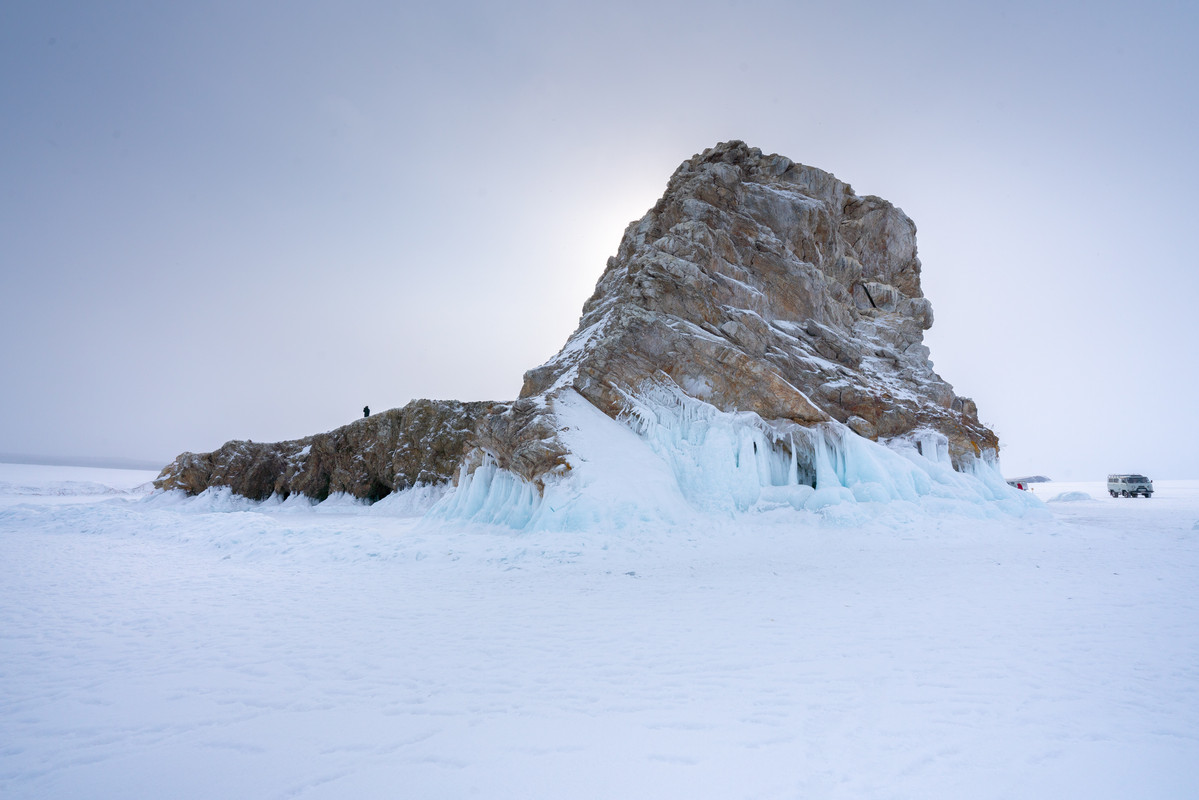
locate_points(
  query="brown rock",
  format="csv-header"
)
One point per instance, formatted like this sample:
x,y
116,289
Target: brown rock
x,y
421,443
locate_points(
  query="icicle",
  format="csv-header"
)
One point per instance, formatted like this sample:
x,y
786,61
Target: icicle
x,y
793,472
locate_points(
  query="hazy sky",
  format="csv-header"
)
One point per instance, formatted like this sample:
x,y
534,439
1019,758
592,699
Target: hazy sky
x,y
246,220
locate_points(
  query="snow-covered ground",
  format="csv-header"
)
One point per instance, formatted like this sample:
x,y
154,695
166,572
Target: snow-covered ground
x,y
211,648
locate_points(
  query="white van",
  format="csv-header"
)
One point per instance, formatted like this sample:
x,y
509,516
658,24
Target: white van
x,y
1129,485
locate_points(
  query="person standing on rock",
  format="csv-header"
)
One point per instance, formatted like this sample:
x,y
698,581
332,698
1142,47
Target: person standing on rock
x,y
366,411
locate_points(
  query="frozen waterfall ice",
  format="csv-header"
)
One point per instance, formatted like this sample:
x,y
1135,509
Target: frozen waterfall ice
x,y
670,456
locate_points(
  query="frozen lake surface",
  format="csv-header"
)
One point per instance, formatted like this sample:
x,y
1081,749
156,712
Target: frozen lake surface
x,y
151,647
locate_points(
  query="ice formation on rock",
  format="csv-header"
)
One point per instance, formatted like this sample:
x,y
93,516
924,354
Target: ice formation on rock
x,y
669,457
761,331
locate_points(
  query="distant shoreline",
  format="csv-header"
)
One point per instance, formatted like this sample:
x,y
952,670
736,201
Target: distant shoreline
x,y
82,461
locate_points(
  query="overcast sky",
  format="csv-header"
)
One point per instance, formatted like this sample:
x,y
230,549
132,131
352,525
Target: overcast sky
x,y
246,220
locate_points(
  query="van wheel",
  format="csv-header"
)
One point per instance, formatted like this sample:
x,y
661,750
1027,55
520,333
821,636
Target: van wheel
x,y
1112,492
1124,493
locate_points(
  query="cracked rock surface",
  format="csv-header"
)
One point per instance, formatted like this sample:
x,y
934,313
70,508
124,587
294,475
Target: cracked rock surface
x,y
754,284
421,443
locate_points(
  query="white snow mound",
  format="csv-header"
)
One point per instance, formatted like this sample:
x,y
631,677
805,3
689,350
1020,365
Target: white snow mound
x,y
1069,497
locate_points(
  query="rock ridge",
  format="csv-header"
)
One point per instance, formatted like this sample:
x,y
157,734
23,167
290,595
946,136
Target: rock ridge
x,y
419,444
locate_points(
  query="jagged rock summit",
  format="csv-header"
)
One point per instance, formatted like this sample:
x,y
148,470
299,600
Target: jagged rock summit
x,y
754,284
756,327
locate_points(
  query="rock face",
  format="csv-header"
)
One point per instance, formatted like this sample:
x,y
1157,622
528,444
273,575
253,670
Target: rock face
x,y
421,443
754,284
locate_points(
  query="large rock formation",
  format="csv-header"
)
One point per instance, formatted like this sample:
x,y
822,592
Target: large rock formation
x,y
755,288
754,284
421,443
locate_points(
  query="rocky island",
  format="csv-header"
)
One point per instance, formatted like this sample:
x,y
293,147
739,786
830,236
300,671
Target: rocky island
x,y
758,295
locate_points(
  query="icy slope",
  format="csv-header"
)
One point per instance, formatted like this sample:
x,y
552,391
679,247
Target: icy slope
x,y
614,478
